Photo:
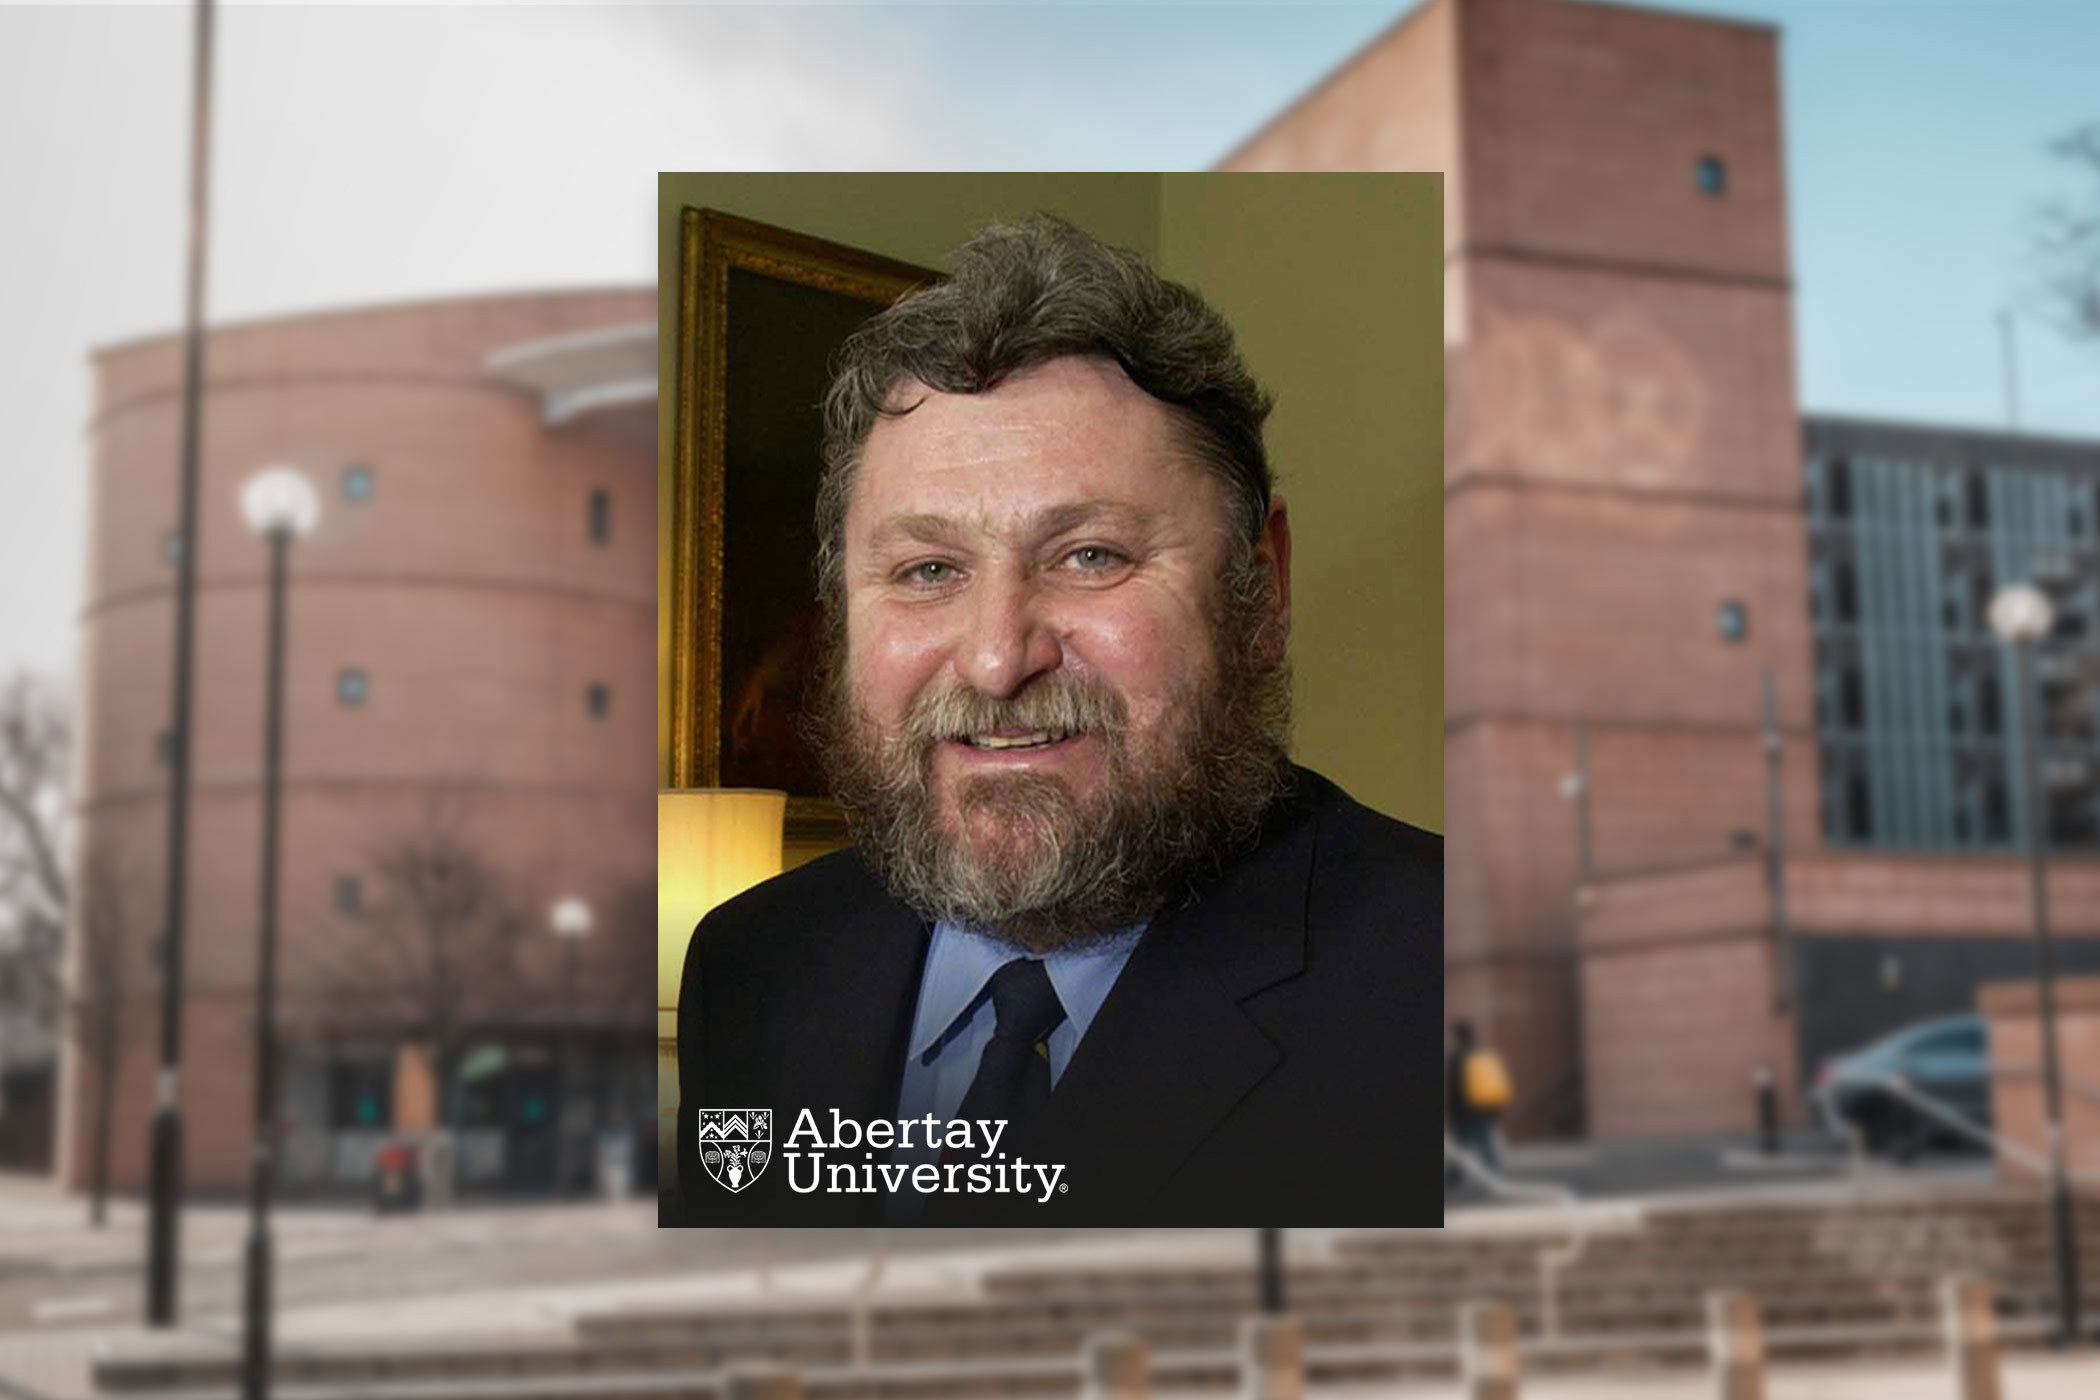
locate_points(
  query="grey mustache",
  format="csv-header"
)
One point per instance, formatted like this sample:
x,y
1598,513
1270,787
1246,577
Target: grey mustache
x,y
1071,708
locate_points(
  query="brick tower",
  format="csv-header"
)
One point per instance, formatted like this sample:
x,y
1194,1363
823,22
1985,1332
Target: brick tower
x,y
1623,532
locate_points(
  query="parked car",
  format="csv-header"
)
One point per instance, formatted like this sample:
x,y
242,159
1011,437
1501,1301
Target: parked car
x,y
1946,1060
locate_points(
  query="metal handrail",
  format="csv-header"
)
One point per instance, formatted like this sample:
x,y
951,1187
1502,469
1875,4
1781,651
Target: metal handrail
x,y
1552,1261
1902,1089
1855,1136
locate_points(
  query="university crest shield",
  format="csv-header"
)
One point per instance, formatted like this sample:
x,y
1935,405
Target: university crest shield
x,y
735,1144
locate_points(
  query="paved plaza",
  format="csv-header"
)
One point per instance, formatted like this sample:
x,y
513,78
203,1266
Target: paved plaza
x,y
2026,1378
348,1279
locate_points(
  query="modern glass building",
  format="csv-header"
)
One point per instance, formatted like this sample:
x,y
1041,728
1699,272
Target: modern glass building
x,y
1910,532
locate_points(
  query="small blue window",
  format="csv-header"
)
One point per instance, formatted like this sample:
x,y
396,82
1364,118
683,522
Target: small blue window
x,y
164,748
598,700
1735,621
357,482
171,547
1713,176
350,686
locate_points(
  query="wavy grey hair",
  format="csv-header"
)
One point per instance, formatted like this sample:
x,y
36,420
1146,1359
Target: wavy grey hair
x,y
1023,294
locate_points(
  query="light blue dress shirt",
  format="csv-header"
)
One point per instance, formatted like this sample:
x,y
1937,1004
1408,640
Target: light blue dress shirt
x,y
955,1019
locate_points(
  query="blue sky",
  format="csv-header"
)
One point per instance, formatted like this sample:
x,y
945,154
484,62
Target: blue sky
x,y
1916,151
379,153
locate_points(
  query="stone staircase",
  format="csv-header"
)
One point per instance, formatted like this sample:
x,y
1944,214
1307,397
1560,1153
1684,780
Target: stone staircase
x,y
1837,1278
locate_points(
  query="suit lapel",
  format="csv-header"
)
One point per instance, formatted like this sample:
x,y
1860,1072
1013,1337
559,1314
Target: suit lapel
x,y
1171,1051
846,1047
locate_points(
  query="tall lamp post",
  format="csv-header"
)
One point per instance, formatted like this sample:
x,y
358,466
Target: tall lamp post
x,y
571,919
164,1164
1575,788
278,504
2021,617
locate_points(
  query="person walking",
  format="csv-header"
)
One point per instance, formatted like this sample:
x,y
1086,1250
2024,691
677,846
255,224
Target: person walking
x,y
1476,1092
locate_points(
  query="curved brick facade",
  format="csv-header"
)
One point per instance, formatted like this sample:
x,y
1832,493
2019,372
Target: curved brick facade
x,y
470,589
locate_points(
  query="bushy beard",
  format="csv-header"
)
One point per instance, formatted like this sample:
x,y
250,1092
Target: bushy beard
x,y
1031,863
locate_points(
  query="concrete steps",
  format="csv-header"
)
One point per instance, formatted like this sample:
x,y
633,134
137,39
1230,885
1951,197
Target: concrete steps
x,y
1835,1281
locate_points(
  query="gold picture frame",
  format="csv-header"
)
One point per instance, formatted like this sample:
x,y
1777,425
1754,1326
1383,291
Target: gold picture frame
x,y
819,287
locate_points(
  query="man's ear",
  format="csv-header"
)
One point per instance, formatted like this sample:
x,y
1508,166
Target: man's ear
x,y
1275,550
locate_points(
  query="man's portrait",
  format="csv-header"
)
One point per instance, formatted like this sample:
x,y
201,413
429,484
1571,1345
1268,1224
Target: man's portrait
x,y
1101,946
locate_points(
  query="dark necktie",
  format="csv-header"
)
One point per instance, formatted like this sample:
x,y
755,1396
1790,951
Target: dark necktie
x,y
1013,1076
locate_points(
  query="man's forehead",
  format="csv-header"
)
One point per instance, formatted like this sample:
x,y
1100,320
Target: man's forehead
x,y
1030,520
1072,431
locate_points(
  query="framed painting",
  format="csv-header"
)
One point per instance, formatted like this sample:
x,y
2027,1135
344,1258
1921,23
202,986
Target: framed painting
x,y
761,311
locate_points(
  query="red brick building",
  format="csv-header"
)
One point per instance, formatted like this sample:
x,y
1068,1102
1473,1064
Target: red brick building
x,y
469,643
1625,559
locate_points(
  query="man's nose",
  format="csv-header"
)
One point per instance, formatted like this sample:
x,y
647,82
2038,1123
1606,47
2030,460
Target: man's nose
x,y
1008,641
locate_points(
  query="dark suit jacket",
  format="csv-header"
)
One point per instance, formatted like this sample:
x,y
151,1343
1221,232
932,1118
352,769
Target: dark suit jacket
x,y
1272,1050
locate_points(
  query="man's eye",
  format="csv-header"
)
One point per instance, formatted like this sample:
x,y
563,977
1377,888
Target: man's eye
x,y
1094,557
933,571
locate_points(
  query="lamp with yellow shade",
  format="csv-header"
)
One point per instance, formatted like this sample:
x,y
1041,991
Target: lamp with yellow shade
x,y
711,845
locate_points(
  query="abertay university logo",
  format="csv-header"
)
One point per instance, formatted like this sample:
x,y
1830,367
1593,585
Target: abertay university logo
x,y
956,1156
735,1144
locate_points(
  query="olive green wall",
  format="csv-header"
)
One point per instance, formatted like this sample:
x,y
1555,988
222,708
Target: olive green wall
x,y
1334,285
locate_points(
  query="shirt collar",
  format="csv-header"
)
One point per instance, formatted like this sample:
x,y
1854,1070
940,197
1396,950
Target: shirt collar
x,y
959,964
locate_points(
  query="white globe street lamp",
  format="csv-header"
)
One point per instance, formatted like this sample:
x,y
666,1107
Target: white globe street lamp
x,y
279,504
2021,617
280,500
571,920
2020,612
1575,790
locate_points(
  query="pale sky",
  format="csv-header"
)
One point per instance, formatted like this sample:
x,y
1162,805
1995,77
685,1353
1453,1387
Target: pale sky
x,y
368,154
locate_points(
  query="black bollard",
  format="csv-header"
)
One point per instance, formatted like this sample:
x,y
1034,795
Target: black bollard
x,y
1767,1111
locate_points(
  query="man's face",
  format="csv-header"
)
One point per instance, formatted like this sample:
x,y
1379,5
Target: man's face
x,y
1032,605
1046,531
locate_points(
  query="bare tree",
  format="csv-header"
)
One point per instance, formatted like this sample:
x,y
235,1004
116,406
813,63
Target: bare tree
x,y
36,744
434,952
2067,244
627,989
115,923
